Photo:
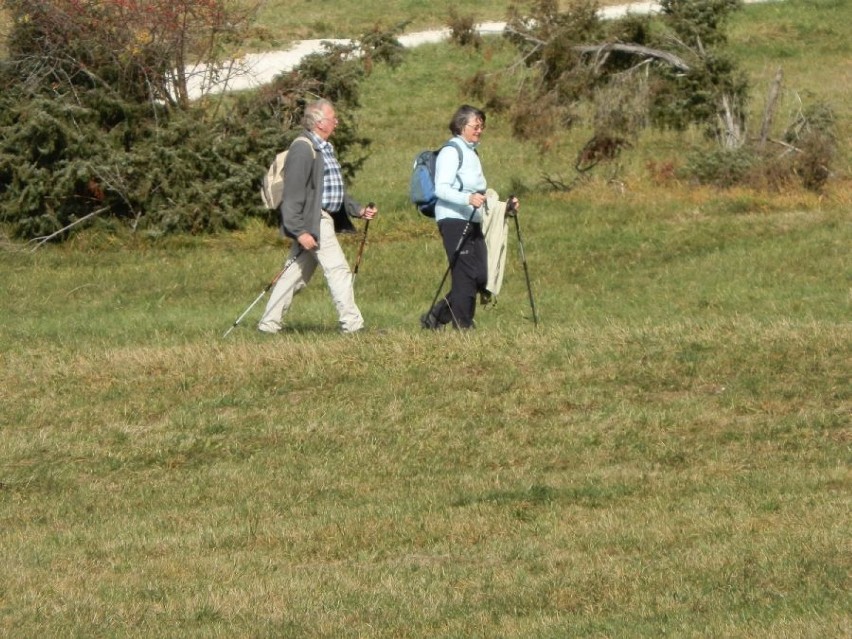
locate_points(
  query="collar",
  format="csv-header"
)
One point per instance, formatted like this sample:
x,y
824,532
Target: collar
x,y
470,145
319,143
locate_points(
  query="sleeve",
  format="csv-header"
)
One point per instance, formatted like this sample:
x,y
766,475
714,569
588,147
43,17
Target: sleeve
x,y
297,177
351,205
446,171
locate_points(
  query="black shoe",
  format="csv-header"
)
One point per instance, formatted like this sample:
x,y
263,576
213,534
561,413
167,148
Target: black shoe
x,y
429,321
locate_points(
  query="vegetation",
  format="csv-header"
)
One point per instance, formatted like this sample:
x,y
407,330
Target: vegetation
x,y
97,120
666,454
619,77
281,20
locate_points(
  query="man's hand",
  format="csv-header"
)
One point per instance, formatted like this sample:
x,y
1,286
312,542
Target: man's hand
x,y
369,212
307,241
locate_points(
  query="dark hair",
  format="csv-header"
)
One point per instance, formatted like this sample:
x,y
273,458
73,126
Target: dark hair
x,y
462,115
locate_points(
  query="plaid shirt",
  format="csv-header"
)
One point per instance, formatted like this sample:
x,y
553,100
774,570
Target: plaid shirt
x,y
332,179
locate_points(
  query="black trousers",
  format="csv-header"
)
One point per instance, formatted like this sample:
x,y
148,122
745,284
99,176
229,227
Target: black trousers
x,y
469,271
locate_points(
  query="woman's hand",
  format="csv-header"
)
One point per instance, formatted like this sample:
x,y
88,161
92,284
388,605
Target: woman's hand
x,y
476,200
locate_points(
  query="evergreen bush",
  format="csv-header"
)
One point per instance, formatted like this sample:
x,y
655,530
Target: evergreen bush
x,y
84,134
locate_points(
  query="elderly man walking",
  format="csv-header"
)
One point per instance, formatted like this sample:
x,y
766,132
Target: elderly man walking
x,y
314,194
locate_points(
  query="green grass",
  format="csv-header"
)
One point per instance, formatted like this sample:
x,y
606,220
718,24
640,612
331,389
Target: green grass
x,y
808,41
285,19
667,454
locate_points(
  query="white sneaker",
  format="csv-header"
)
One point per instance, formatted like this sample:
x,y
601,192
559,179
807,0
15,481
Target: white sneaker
x,y
269,329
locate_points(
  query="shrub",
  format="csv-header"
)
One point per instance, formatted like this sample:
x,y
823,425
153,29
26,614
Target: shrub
x,y
814,134
807,150
719,167
463,30
87,130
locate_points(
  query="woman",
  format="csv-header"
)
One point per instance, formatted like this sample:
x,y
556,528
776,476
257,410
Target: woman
x,y
460,189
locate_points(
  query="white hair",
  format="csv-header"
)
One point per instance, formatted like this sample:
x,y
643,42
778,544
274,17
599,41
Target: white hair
x,y
314,113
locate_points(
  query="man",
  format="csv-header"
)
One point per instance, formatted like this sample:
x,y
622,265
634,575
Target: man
x,y
314,194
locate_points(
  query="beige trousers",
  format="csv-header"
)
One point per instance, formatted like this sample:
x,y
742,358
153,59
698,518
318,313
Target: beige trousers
x,y
329,255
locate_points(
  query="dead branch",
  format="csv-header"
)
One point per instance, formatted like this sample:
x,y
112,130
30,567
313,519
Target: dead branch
x,y
601,51
771,105
787,146
46,238
558,185
526,36
730,124
635,49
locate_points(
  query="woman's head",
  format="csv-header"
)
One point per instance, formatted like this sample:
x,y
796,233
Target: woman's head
x,y
467,122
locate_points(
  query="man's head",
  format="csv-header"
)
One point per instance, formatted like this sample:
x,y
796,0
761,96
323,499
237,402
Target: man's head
x,y
320,118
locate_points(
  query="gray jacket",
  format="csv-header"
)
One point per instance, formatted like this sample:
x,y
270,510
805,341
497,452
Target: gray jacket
x,y
301,208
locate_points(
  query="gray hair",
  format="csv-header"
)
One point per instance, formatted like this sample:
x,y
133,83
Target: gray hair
x,y
314,113
462,115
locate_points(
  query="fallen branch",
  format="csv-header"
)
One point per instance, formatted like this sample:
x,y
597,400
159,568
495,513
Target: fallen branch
x,y
771,105
46,238
601,51
635,49
786,145
558,185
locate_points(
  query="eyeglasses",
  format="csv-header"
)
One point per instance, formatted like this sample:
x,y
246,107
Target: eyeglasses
x,y
476,127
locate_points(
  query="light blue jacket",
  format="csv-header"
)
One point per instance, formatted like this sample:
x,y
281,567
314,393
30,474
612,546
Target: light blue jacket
x,y
453,185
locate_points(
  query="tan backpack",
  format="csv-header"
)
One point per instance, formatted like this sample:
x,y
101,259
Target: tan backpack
x,y
272,187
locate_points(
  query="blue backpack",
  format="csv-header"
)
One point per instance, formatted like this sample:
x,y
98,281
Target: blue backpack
x,y
421,188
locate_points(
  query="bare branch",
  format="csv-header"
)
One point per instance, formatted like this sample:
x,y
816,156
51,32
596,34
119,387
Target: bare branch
x,y
526,36
39,241
771,105
635,49
730,124
601,50
789,147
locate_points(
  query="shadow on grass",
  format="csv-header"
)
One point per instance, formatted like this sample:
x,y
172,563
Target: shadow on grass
x,y
590,495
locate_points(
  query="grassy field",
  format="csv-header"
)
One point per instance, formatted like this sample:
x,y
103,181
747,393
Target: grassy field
x,y
282,21
666,454
285,19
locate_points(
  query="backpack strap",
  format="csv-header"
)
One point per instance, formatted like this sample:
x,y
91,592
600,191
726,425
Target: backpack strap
x,y
310,143
305,138
461,159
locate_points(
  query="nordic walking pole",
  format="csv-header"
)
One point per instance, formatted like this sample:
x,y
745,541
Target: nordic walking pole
x,y
287,265
370,205
523,259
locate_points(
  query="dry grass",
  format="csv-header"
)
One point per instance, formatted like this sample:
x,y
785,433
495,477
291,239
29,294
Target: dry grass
x,y
667,454
633,479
